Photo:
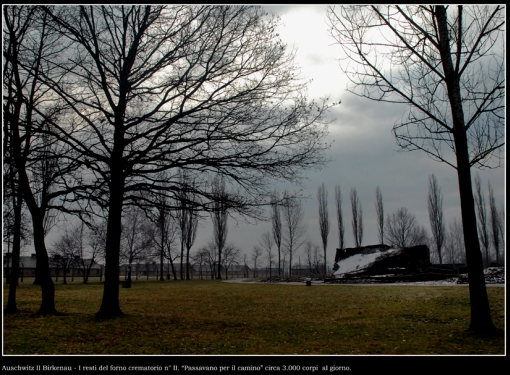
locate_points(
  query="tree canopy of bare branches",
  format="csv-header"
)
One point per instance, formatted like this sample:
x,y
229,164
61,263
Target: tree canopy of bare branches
x,y
209,89
402,229
447,65
416,55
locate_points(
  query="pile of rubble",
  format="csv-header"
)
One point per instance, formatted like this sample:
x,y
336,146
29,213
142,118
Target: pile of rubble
x,y
493,275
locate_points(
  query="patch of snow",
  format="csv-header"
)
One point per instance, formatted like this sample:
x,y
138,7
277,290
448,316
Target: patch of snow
x,y
358,262
386,275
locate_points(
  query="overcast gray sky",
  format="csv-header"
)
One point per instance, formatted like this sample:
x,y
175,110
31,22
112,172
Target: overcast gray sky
x,y
365,154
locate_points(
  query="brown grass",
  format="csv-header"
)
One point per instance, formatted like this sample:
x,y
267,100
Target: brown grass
x,y
211,317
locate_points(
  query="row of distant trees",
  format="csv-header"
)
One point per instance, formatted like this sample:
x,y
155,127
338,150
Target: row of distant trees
x,y
400,229
168,240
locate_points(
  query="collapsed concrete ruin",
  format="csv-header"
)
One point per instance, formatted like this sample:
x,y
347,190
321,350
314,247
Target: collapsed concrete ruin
x,y
383,264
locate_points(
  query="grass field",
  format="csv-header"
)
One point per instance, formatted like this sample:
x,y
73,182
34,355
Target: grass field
x,y
212,317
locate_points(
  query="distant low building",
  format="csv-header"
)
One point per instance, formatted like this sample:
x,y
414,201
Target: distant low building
x,y
27,265
152,269
239,270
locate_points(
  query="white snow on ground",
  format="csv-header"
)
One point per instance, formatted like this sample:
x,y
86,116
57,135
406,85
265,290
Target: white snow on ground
x,y
361,261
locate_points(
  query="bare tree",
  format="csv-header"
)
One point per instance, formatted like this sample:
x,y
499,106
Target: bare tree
x,y
230,257
322,196
312,257
267,244
98,237
447,64
210,256
256,253
165,235
187,217
276,222
483,225
62,256
437,226
16,229
219,216
192,227
402,229
455,243
44,166
379,208
295,229
156,88
339,216
199,258
285,252
245,264
357,218
88,249
137,238
494,223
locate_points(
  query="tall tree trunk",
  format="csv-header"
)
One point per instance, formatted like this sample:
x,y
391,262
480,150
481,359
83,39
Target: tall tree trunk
x,y
218,276
42,269
16,249
42,272
481,320
279,262
182,259
187,265
129,272
161,268
110,304
480,311
173,267
325,268
290,261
